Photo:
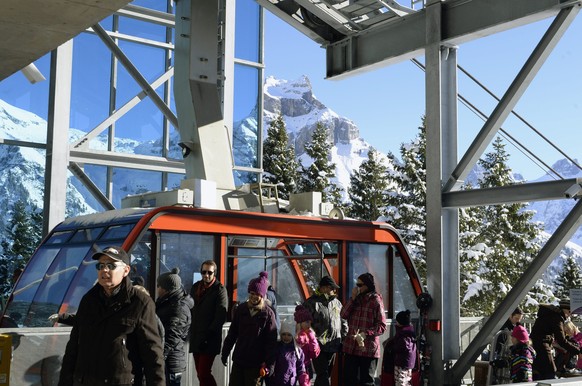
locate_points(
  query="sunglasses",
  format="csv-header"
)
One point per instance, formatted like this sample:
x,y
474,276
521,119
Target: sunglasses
x,y
359,284
110,266
209,273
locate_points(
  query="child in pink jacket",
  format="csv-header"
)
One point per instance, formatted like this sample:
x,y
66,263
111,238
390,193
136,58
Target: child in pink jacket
x,y
306,337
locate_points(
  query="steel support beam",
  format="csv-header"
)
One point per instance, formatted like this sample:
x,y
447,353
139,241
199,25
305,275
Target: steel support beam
x,y
198,100
434,261
128,161
91,187
404,38
534,191
450,216
135,74
512,95
55,175
538,266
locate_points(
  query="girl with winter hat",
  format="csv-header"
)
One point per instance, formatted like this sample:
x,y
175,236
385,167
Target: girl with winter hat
x,y
400,353
306,338
289,361
522,355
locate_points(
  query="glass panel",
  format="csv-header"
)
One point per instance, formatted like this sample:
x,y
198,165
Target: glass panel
x,y
117,231
247,30
372,258
28,283
143,29
58,277
141,258
17,91
85,278
246,97
404,297
85,235
59,237
241,178
152,4
89,99
186,251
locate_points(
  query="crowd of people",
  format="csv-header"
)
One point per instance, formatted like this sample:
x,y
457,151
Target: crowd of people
x,y
551,350
121,336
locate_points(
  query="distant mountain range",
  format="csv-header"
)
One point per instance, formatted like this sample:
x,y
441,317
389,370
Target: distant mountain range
x,y
22,169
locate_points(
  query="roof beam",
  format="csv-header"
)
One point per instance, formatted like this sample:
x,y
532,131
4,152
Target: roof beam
x,y
405,38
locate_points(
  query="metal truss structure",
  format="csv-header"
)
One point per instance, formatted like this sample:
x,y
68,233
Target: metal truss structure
x,y
360,36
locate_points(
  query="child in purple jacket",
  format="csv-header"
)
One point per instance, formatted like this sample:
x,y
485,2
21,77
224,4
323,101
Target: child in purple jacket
x,y
400,351
289,361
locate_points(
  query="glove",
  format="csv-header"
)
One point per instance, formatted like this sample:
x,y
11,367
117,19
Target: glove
x,y
224,360
53,318
304,379
263,371
360,339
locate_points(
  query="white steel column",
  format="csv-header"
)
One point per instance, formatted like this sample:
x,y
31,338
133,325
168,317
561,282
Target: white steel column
x,y
434,263
57,138
451,311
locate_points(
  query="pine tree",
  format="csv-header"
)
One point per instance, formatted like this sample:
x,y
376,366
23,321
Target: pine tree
x,y
569,277
503,238
279,163
317,176
23,236
368,189
406,206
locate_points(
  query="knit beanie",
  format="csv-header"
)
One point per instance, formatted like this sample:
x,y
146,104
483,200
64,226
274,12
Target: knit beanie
x,y
520,333
368,280
259,285
403,318
170,281
288,326
565,304
302,314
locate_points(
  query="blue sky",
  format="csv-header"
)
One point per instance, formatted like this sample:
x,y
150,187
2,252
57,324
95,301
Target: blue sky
x,y
387,104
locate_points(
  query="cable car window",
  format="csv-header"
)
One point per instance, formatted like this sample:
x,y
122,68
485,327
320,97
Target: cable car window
x,y
372,258
117,232
57,280
404,294
186,251
86,235
29,282
59,237
141,258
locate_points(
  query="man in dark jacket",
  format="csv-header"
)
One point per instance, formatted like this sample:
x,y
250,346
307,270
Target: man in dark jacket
x,y
329,327
254,331
209,315
115,327
547,330
173,307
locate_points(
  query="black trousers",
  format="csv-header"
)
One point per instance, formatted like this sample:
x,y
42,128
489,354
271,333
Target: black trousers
x,y
323,366
359,370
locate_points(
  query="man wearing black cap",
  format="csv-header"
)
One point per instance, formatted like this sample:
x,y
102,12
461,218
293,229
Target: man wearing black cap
x,y
329,327
547,330
115,325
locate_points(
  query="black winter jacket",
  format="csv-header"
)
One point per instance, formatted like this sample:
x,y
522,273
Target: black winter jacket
x,y
549,328
174,310
208,318
110,335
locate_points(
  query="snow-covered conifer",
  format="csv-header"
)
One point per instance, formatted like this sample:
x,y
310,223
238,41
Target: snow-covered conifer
x,y
279,163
